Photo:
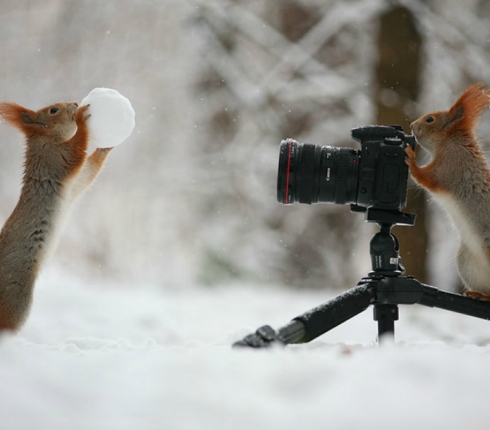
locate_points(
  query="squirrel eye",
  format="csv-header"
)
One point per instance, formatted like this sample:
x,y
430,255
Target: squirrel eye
x,y
53,110
429,119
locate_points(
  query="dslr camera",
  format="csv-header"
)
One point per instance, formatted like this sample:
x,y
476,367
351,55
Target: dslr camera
x,y
374,177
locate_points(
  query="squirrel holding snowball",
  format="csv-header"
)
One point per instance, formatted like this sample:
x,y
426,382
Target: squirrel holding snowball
x,y
56,171
459,178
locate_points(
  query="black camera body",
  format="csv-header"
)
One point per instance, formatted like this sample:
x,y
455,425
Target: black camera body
x,y
374,177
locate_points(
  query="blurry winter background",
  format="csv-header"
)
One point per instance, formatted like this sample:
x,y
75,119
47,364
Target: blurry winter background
x,y
180,247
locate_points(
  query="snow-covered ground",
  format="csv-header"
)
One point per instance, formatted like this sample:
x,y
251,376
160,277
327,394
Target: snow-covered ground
x,y
108,356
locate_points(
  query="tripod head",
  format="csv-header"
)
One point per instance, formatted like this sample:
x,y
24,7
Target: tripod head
x,y
384,247
385,253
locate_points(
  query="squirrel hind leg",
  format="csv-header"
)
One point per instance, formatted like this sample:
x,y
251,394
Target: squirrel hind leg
x,y
474,270
11,318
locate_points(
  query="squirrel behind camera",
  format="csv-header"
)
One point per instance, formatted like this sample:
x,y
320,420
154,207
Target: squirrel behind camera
x,y
56,171
458,177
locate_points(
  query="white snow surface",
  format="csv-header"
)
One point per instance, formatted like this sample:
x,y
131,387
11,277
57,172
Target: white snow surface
x,y
112,117
95,355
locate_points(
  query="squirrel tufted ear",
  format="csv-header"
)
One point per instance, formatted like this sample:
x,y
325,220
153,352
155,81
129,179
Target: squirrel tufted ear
x,y
456,115
20,117
28,118
464,114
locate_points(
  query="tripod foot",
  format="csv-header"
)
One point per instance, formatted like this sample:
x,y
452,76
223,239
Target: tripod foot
x,y
264,336
478,296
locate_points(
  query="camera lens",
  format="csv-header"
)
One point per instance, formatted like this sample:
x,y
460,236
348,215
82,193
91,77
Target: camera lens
x,y
312,173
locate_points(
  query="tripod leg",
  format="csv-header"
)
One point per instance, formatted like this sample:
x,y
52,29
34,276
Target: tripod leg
x,y
453,302
316,321
329,315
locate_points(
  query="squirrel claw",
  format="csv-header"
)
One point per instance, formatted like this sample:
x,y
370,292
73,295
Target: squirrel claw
x,y
81,116
104,150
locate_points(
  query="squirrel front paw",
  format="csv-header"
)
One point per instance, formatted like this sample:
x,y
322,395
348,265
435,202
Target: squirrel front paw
x,y
99,155
104,150
82,116
410,160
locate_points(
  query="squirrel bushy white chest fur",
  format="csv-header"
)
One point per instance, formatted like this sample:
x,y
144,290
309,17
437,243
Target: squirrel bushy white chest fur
x,y
56,171
458,177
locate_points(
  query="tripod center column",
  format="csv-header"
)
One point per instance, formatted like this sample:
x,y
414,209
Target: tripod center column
x,y
385,315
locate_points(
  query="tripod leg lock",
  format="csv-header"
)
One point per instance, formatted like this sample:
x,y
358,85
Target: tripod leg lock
x,y
263,337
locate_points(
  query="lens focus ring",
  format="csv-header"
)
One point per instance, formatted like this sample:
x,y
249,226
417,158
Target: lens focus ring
x,y
307,174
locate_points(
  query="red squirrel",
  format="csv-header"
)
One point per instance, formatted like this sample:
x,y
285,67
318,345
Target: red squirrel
x,y
56,171
458,177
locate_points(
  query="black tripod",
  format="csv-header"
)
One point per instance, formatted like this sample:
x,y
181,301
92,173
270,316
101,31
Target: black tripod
x,y
384,287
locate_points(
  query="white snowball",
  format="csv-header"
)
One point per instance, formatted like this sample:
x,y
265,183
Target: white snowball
x,y
112,117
